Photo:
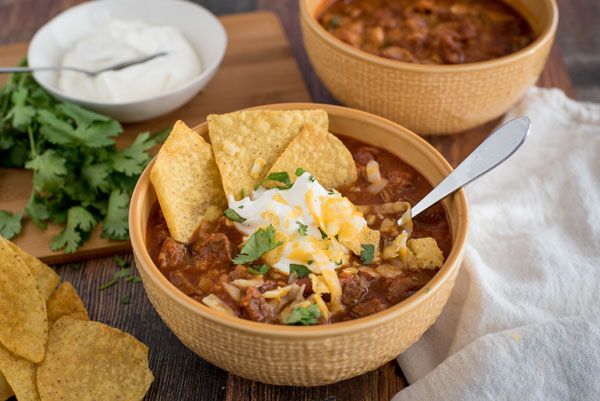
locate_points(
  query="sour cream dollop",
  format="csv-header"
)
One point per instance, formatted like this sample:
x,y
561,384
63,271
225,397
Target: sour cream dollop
x,y
120,40
318,227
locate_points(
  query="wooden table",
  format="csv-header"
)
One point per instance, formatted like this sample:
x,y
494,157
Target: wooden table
x,y
180,374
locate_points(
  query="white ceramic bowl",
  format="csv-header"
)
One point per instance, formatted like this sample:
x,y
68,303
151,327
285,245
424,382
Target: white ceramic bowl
x,y
201,28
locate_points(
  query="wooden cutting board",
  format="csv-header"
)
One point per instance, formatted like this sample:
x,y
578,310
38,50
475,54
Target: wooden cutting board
x,y
258,68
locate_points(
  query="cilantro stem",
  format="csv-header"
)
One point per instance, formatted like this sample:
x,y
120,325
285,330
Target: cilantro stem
x,y
110,283
31,142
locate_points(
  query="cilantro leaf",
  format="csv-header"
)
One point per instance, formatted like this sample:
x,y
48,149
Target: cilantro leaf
x,y
262,269
132,160
97,175
300,270
49,170
233,216
300,171
78,219
37,210
281,176
120,261
304,316
21,114
122,273
115,224
366,256
259,243
10,225
91,130
302,228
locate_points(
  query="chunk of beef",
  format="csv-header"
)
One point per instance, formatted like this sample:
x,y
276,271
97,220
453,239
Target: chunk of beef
x,y
352,290
399,288
185,285
307,286
369,307
212,250
240,271
172,253
256,306
267,286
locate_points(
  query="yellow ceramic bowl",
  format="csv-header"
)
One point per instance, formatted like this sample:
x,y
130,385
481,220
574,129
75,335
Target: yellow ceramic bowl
x,y
308,356
429,99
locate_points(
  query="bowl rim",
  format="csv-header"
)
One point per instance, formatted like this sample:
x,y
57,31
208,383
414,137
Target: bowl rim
x,y
546,35
207,71
296,332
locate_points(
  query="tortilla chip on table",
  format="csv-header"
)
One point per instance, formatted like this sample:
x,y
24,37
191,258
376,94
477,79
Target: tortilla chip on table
x,y
44,275
23,321
115,368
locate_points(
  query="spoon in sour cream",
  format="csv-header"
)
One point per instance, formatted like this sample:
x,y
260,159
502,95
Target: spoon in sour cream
x,y
492,152
114,67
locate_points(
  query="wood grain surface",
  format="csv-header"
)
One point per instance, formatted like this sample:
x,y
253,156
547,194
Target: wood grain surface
x,y
180,374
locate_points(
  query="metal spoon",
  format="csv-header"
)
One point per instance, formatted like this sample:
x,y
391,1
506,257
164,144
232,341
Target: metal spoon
x,y
498,147
93,73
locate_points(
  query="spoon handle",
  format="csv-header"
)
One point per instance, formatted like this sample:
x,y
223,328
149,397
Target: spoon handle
x,y
498,147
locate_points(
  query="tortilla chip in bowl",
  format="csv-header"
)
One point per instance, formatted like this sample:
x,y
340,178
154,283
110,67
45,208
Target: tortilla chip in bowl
x,y
315,355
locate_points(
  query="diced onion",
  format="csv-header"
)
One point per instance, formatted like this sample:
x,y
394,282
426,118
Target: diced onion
x,y
373,174
387,225
216,303
388,271
233,291
242,283
369,270
396,248
377,186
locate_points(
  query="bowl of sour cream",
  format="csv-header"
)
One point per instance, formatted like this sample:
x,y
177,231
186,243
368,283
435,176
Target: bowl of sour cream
x,y
104,32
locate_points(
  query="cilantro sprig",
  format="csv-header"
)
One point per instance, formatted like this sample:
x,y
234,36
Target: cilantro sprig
x,y
80,179
262,269
281,176
302,228
259,243
367,254
304,316
234,216
300,270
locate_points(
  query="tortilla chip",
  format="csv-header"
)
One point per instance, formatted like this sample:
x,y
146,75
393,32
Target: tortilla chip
x,y
368,236
23,321
47,280
88,361
66,302
5,389
308,150
254,135
187,182
20,374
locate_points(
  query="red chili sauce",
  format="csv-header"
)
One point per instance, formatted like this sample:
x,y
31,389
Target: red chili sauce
x,y
428,31
200,267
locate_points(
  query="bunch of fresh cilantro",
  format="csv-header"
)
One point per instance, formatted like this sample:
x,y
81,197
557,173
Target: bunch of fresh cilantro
x,y
79,177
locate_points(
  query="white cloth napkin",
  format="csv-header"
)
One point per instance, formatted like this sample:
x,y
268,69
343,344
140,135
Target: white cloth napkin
x,y
523,322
